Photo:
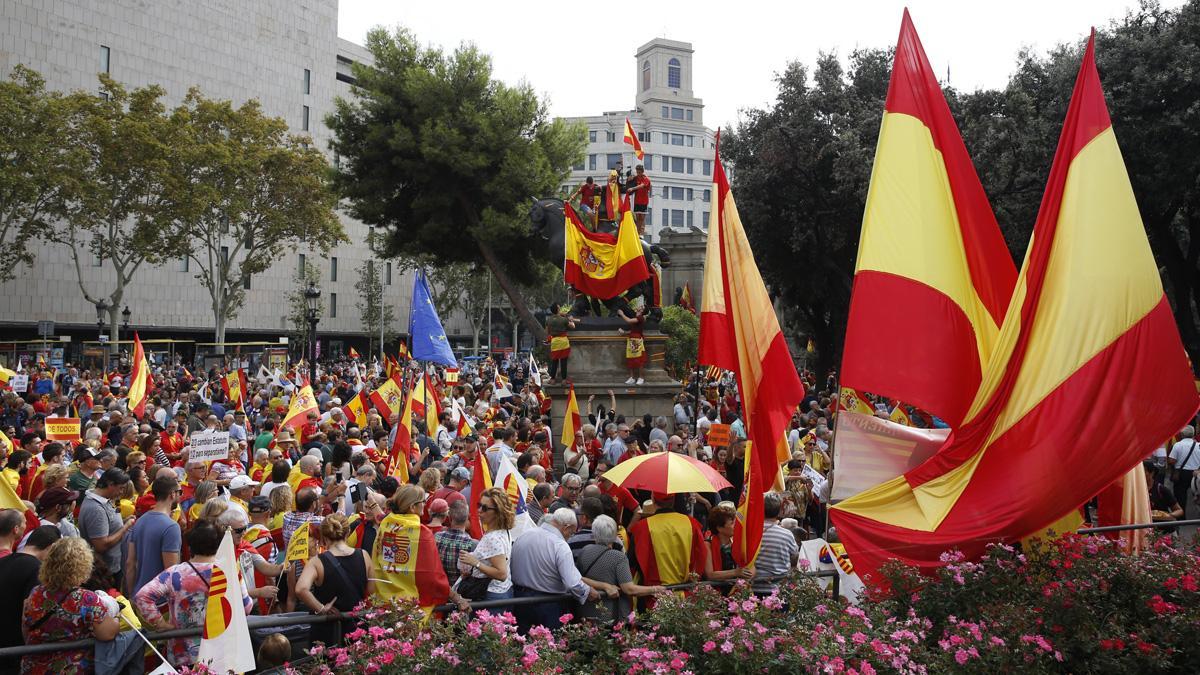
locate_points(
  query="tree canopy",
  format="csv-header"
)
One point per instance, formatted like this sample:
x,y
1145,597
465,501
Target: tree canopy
x,y
447,159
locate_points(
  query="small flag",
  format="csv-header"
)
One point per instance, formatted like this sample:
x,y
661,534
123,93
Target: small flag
x,y
225,644
464,423
514,484
388,398
686,300
356,408
632,139
481,480
535,373
62,429
298,546
139,380
570,420
354,353
452,376
899,416
501,387
854,401
303,402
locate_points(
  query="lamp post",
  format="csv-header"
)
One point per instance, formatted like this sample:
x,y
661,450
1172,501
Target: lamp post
x,y
312,297
101,312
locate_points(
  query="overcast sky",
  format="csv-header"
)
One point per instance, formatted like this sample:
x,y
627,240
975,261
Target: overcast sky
x,y
739,46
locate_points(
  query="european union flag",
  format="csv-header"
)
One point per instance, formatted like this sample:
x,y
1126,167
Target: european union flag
x,y
429,341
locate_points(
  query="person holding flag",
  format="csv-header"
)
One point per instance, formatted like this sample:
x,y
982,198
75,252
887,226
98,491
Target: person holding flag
x,y
641,197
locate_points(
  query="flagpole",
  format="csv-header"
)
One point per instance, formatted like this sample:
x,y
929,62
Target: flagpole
x,y
382,353
488,346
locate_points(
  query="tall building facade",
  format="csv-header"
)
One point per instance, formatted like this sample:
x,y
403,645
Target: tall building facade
x,y
669,121
288,56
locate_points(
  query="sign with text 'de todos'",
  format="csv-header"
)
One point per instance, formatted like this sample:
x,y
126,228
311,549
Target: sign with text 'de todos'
x,y
62,429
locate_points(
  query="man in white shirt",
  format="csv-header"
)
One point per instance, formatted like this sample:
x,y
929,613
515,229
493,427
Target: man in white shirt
x,y
1183,460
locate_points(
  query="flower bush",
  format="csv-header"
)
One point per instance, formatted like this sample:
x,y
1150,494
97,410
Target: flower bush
x,y
1075,605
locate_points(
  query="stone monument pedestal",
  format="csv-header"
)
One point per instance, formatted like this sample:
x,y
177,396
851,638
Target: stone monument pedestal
x,y
597,365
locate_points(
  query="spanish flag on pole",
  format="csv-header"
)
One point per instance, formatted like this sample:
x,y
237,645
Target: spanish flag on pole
x,y
740,332
570,419
1088,311
139,380
356,408
853,400
632,139
402,442
388,398
354,353
236,390
598,264
225,643
303,402
426,403
932,267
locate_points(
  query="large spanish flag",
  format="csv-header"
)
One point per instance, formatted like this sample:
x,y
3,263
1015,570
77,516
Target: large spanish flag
x,y
668,547
740,332
1088,342
933,277
407,563
303,402
601,265
402,442
139,379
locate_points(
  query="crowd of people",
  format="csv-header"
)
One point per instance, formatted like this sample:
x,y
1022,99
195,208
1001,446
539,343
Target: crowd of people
x,y
122,523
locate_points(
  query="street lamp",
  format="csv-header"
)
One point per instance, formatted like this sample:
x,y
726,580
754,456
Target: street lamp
x,y
312,298
101,312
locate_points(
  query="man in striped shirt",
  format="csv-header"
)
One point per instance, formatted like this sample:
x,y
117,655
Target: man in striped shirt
x,y
779,552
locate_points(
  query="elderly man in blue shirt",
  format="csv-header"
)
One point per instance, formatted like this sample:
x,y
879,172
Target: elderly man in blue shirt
x,y
541,564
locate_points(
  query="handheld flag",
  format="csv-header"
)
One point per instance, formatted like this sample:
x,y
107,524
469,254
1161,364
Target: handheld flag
x,y
428,336
402,353
632,139
517,489
225,644
535,373
356,408
388,399
1088,310
854,401
899,416
263,376
464,422
354,353
452,376
402,443
302,403
571,420
139,380
500,386
932,265
481,480
425,402
686,300
599,264
739,331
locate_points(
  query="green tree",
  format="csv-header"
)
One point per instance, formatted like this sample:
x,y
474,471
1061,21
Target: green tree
x,y
297,304
682,329
447,158
118,208
253,191
802,168
377,315
37,160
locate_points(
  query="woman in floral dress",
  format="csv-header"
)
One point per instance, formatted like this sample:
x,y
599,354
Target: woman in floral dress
x,y
183,589
59,610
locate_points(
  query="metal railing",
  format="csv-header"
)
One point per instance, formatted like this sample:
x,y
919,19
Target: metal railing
x,y
295,619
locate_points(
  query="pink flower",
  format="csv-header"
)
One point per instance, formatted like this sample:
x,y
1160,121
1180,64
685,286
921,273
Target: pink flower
x,y
805,563
473,629
726,647
749,605
961,656
709,646
566,618
676,663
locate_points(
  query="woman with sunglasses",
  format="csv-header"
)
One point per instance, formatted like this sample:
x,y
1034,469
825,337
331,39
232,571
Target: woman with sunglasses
x,y
489,560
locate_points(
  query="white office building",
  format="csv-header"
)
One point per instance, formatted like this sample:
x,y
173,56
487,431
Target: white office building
x,y
285,54
669,121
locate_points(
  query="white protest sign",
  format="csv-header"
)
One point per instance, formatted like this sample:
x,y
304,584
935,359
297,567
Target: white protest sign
x,y
208,446
19,383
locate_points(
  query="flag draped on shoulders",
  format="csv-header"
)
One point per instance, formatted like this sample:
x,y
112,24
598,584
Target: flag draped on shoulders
x,y
407,562
740,332
1088,311
933,272
140,383
601,265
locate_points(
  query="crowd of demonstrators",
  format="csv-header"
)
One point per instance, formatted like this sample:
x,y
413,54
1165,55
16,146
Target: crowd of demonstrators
x,y
125,509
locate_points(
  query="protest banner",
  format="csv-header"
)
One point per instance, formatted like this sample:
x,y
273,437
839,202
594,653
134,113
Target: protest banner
x,y
19,383
62,429
209,445
718,435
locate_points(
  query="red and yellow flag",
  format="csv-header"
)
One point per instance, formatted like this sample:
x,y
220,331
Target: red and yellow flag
x,y
426,403
855,401
407,562
632,139
571,422
354,353
62,429
686,300
303,402
1088,310
598,264
402,443
234,384
740,332
899,416
356,408
388,399
481,480
139,380
933,268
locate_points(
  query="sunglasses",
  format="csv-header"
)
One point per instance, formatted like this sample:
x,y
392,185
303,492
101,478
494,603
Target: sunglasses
x,y
239,530
485,509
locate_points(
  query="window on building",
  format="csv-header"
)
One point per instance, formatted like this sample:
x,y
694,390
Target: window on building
x,y
614,160
303,263
304,120
704,219
333,305
690,195
690,215
666,192
645,75
676,139
643,136
674,72
592,136
333,268
246,283
185,264
689,114
706,195
677,193
690,165
387,274
676,217
370,236
307,81
649,161
649,216
676,113
689,141
666,216
610,136
224,258
105,55
666,138
677,164
591,162
578,167
707,167
666,111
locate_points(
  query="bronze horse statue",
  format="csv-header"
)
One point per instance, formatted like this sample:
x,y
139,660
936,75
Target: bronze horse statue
x,y
549,223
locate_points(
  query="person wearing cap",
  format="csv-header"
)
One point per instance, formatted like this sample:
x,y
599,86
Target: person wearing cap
x,y
55,506
241,490
460,479
438,511
667,546
286,444
155,539
87,469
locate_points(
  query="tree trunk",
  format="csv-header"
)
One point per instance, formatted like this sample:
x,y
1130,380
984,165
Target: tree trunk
x,y
510,289
219,332
114,328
